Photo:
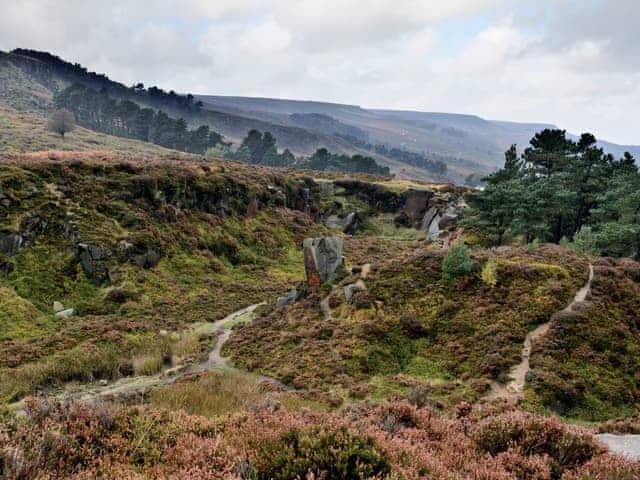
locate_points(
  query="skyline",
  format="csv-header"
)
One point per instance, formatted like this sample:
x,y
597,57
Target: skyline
x,y
572,64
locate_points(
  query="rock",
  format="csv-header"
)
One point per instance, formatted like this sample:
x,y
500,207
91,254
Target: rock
x,y
147,260
434,229
415,205
6,268
11,243
428,218
57,307
351,289
447,220
287,299
348,224
92,259
69,312
323,259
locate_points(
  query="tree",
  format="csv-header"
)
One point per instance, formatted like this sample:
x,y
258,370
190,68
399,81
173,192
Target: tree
x,y
549,151
456,263
61,121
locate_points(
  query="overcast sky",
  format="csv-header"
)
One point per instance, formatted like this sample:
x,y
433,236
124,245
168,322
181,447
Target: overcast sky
x,y
575,63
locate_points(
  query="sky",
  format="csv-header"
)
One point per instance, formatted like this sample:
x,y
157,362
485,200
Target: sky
x,y
573,63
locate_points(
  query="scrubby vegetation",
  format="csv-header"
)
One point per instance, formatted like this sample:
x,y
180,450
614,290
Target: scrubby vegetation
x,y
133,250
587,367
412,332
391,441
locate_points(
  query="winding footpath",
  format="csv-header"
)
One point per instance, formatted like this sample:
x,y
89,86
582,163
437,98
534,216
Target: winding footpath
x,y
514,389
131,386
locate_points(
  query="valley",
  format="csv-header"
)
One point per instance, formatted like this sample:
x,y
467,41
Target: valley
x,y
226,287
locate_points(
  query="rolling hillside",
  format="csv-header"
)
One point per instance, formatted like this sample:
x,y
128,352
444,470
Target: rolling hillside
x,y
464,143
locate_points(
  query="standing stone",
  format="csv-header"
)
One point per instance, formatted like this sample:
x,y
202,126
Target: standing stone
x,y
323,259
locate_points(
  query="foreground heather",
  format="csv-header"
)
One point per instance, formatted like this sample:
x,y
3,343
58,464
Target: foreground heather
x,y
394,440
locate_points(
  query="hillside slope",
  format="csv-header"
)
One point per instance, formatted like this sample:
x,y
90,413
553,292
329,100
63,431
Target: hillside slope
x,y
468,141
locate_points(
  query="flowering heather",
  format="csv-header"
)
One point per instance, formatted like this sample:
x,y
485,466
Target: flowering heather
x,y
394,441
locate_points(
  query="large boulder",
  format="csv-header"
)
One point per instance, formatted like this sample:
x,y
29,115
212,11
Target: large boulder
x,y
415,204
323,259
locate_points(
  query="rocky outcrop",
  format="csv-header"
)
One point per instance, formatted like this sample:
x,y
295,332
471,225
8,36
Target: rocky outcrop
x,y
348,224
93,259
377,197
323,259
11,243
428,218
415,203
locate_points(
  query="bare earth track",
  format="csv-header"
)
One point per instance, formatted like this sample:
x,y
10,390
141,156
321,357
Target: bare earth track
x,y
514,389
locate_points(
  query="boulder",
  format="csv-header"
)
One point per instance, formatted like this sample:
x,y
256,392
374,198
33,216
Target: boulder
x,y
348,224
428,218
351,289
148,259
93,261
6,267
57,307
323,259
433,231
287,299
69,312
10,243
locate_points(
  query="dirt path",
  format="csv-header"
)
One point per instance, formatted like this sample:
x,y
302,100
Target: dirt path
x,y
131,386
518,374
626,445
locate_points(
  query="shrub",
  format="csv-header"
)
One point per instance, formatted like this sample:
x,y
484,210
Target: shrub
x,y
489,274
532,435
327,454
585,240
457,263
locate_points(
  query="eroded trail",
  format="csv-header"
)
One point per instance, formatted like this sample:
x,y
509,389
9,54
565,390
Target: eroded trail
x,y
130,386
514,389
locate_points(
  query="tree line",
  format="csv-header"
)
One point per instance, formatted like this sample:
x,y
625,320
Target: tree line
x,y
98,111
561,191
425,161
76,73
261,149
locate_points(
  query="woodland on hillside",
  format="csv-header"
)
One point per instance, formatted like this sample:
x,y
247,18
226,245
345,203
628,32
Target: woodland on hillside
x,y
562,191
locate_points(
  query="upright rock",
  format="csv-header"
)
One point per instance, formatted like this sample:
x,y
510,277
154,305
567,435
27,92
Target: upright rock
x,y
323,259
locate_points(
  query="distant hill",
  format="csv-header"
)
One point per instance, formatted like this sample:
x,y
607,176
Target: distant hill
x,y
467,142
421,145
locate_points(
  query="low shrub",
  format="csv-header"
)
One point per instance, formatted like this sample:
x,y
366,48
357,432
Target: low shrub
x,y
457,263
528,434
